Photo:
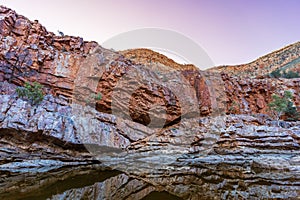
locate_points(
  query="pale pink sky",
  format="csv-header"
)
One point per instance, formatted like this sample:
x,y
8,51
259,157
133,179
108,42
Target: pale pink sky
x,y
231,31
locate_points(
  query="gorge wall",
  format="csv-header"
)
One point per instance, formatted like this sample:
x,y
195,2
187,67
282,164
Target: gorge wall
x,y
167,127
73,69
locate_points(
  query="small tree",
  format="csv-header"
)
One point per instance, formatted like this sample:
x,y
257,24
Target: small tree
x,y
291,112
279,105
31,92
278,73
93,97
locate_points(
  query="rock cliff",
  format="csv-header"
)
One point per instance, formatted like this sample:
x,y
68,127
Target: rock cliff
x,y
165,126
73,69
238,93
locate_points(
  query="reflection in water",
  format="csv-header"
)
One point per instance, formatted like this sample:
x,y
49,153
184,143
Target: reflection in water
x,y
93,182
44,185
205,181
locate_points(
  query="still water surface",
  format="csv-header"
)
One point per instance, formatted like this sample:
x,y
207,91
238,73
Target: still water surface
x,y
78,183
205,180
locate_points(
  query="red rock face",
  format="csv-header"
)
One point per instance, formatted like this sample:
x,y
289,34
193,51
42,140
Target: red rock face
x,y
72,68
153,94
253,95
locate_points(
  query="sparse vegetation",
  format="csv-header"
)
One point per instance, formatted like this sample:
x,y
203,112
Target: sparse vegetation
x,y
275,74
97,96
278,73
33,92
93,97
291,112
283,105
291,74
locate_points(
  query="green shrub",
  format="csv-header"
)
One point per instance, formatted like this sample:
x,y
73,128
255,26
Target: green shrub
x,y
275,74
278,73
33,92
291,112
97,96
284,105
93,97
291,74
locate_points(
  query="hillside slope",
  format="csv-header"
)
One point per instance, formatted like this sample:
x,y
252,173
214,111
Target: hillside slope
x,y
287,58
148,57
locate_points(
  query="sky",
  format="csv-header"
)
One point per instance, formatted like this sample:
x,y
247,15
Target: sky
x,y
230,31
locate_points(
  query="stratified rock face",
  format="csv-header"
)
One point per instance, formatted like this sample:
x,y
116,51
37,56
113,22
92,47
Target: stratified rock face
x,y
54,130
29,52
252,96
224,157
155,93
161,123
75,69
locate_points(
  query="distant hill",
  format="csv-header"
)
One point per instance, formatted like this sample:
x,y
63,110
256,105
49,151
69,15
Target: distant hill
x,y
284,59
147,56
287,58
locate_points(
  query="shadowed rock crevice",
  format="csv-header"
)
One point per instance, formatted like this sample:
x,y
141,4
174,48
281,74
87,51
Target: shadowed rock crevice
x,y
162,195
